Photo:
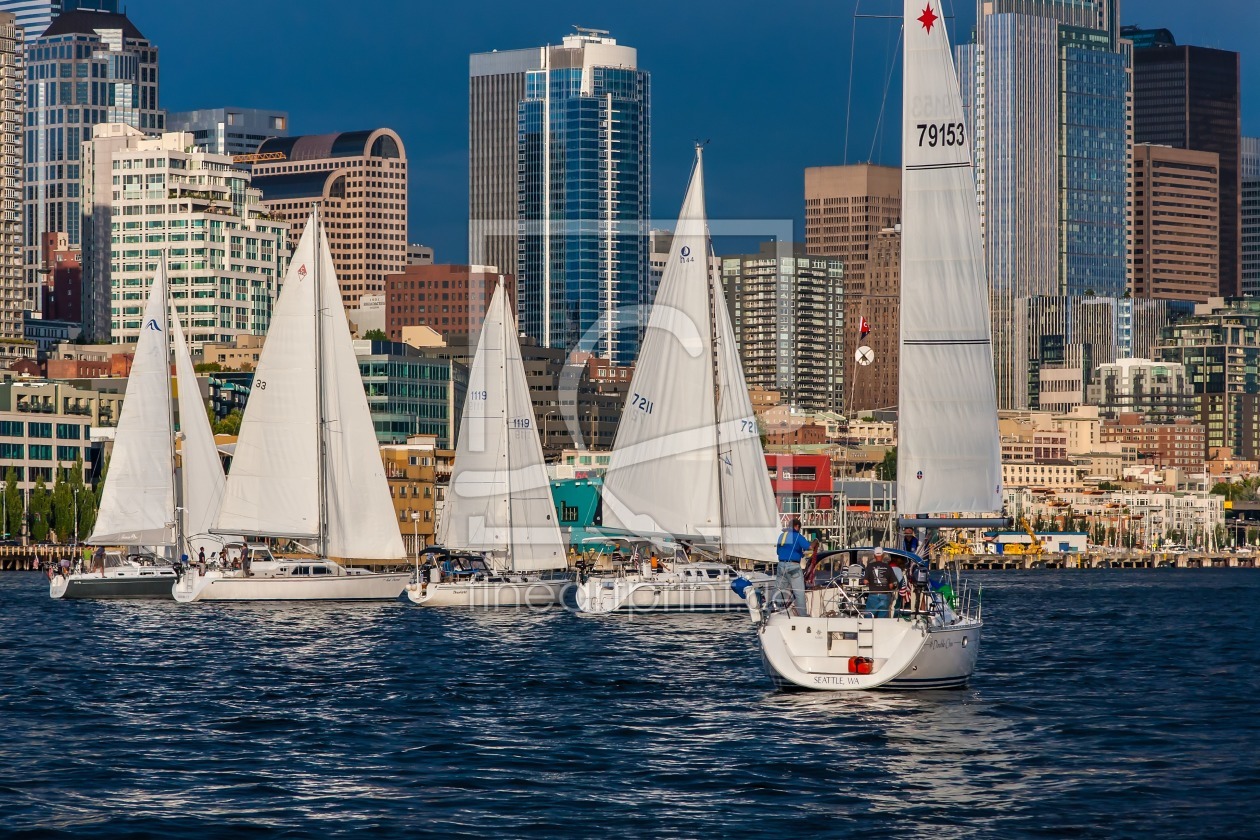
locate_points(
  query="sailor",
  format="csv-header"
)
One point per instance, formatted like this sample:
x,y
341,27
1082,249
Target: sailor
x,y
880,584
201,558
791,547
909,542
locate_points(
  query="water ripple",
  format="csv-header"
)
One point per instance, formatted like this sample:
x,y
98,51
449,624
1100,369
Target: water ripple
x,y
1109,704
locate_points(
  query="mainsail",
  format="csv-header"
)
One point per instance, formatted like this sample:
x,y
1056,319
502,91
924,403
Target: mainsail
x,y
499,499
948,454
662,473
138,502
274,488
201,468
688,457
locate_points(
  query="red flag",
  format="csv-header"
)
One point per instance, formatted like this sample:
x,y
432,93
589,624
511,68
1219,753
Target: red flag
x,y
865,328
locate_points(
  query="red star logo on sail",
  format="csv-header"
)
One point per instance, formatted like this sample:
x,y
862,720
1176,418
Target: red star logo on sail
x,y
302,270
928,18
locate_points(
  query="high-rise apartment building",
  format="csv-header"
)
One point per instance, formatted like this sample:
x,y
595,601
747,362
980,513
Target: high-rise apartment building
x,y
225,256
230,131
1188,97
1159,391
1220,349
12,298
583,200
1176,245
787,308
1045,90
851,212
496,88
86,69
35,16
1249,221
359,179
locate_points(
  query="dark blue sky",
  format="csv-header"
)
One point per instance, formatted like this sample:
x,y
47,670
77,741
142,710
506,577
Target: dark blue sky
x,y
765,82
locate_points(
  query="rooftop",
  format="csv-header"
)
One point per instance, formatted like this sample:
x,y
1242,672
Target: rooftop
x,y
88,21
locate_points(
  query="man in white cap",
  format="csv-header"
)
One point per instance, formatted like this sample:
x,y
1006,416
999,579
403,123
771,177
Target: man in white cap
x,y
880,585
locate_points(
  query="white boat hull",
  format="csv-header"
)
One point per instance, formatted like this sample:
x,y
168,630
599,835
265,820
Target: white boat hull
x,y
489,594
233,586
644,594
815,653
146,582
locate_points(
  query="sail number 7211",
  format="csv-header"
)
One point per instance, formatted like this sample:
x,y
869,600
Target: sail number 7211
x,y
642,403
941,134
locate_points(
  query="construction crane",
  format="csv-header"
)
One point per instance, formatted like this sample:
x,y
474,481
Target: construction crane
x,y
256,158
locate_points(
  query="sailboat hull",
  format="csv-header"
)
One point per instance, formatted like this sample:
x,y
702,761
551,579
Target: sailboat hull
x,y
489,594
151,583
819,654
682,591
351,585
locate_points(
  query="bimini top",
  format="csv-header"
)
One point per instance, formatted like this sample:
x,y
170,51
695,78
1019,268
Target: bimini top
x,y
378,142
86,22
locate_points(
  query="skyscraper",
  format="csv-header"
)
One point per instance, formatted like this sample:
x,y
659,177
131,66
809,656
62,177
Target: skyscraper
x,y
230,131
12,81
1045,89
1250,220
583,200
34,16
360,180
851,212
88,68
1176,241
1188,97
496,87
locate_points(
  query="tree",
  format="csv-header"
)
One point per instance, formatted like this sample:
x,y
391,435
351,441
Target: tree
x,y
230,425
12,505
40,506
62,504
887,469
88,499
375,335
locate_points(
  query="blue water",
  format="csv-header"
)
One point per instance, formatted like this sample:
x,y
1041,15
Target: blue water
x,y
1107,704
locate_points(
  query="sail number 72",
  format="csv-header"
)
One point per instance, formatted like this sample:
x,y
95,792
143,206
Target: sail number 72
x,y
642,403
941,134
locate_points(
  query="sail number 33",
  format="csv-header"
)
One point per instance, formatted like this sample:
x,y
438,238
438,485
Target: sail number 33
x,y
940,134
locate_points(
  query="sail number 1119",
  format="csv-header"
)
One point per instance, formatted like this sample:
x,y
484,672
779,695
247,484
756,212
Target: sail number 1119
x,y
941,134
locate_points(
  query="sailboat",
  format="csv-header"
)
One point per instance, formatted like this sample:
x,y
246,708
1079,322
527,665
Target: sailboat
x,y
948,463
499,536
687,462
149,504
307,465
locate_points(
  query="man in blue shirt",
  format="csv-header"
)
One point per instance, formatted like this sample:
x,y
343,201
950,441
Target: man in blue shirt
x,y
791,547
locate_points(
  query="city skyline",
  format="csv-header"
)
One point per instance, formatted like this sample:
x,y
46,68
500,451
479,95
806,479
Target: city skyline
x,y
714,68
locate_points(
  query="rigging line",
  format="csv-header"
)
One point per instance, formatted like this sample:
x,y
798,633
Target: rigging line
x,y
848,105
879,123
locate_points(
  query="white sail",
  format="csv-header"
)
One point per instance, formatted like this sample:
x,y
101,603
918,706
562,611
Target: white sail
x,y
750,518
138,502
948,454
500,500
272,488
201,469
662,474
360,513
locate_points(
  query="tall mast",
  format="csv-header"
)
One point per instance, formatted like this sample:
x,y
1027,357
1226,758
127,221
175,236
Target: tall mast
x,y
717,373
322,445
507,433
177,519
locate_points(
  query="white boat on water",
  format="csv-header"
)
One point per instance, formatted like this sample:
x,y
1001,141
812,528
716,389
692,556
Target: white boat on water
x,y
948,448
150,506
307,465
499,536
687,462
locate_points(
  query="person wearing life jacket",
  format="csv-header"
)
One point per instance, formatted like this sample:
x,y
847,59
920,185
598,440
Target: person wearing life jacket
x,y
880,585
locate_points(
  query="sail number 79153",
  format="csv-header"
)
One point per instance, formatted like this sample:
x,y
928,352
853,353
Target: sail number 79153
x,y
941,134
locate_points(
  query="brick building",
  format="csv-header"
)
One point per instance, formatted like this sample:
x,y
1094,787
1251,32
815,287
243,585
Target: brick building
x,y
451,299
